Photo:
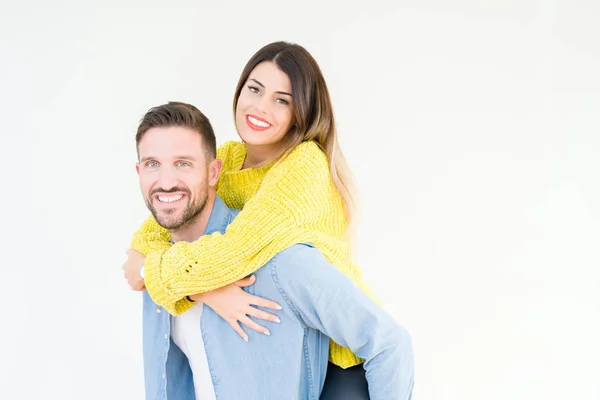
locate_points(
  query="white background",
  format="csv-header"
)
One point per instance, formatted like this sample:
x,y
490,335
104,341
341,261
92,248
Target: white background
x,y
472,128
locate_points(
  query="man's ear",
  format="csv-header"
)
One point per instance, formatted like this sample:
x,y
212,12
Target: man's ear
x,y
214,171
137,167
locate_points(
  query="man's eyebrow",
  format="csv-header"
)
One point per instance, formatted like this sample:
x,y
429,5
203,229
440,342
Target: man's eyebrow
x,y
191,158
263,86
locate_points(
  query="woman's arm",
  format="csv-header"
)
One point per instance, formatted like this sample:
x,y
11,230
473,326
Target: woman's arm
x,y
151,237
293,193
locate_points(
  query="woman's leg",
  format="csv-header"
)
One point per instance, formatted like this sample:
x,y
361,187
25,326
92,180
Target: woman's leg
x,y
345,384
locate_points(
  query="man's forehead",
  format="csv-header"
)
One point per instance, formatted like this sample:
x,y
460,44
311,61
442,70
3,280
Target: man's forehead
x,y
172,133
170,141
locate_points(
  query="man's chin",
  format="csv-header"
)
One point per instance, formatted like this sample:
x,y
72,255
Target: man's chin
x,y
170,226
168,222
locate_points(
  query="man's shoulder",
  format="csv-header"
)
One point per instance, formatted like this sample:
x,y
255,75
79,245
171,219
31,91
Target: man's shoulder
x,y
299,254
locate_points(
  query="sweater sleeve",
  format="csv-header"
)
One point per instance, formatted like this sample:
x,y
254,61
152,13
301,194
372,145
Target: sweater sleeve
x,y
151,237
290,195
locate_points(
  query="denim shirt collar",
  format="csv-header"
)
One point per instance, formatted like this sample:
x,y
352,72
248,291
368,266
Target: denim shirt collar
x,y
220,217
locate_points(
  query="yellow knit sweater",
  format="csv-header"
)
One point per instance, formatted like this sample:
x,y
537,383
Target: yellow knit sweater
x,y
284,203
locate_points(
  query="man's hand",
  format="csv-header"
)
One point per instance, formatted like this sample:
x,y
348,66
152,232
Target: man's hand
x,y
131,269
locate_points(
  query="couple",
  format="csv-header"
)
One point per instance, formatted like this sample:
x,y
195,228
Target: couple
x,y
283,259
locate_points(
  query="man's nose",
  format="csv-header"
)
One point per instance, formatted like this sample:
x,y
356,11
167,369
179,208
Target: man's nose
x,y
167,179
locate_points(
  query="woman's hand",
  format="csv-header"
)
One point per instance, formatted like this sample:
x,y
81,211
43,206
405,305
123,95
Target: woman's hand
x,y
233,304
132,268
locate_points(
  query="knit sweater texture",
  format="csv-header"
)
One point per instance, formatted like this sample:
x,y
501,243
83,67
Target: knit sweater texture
x,y
289,201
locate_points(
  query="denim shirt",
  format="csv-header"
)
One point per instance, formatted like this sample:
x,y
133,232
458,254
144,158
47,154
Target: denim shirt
x,y
319,302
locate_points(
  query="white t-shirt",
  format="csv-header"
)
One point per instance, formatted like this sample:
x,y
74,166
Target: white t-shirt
x,y
185,331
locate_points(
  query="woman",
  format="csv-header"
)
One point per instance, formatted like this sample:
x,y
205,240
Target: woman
x,y
290,180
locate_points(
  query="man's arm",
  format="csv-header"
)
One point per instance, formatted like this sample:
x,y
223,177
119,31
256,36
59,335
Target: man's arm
x,y
326,300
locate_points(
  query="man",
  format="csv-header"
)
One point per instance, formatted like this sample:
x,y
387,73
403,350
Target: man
x,y
198,355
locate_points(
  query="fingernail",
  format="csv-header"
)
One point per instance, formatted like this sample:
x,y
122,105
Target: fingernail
x,y
266,332
246,338
278,307
277,320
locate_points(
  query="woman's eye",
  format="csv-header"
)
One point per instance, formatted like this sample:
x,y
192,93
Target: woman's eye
x,y
282,101
253,89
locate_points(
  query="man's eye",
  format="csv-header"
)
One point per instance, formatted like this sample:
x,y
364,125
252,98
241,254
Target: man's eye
x,y
183,164
151,164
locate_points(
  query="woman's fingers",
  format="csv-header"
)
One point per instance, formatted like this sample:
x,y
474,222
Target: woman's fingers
x,y
246,281
253,325
260,314
236,327
262,302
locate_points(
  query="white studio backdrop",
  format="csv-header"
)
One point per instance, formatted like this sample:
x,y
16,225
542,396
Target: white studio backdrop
x,y
472,128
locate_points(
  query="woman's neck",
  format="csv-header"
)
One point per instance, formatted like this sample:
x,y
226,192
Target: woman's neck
x,y
259,155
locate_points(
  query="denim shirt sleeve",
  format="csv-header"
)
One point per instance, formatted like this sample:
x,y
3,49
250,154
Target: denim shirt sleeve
x,y
326,300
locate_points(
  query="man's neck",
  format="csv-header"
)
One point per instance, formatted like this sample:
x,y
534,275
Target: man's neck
x,y
196,228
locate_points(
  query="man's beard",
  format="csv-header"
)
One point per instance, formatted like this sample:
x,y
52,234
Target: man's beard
x,y
189,215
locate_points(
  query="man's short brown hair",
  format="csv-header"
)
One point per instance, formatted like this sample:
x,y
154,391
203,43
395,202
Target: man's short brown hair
x,y
183,115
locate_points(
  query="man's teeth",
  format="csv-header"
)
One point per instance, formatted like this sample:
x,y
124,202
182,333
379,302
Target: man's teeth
x,y
258,123
169,199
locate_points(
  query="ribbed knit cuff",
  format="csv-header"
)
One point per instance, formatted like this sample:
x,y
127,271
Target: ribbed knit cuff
x,y
156,288
182,306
